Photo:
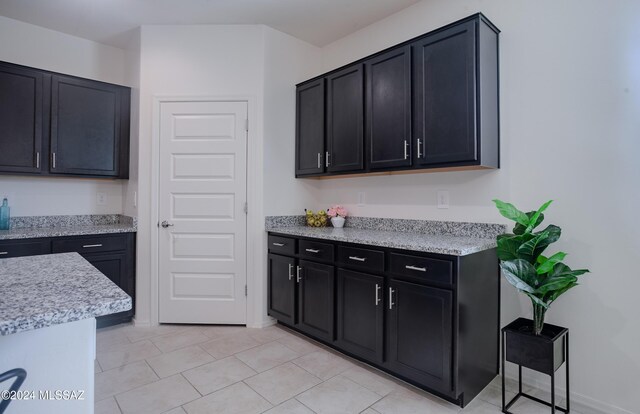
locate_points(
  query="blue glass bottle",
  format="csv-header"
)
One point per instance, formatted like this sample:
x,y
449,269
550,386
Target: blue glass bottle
x,y
4,215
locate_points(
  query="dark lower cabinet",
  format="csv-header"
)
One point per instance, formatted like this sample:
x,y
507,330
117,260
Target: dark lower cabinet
x,y
360,313
21,119
388,109
281,289
420,333
345,120
315,299
429,319
111,254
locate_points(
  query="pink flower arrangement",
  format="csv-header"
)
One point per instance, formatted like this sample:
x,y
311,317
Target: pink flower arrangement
x,y
337,211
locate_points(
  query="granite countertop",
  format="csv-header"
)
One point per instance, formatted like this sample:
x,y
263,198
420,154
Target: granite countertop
x,y
58,226
40,291
431,236
419,242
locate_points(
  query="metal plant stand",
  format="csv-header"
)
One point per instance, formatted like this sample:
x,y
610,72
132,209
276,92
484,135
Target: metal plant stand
x,y
545,353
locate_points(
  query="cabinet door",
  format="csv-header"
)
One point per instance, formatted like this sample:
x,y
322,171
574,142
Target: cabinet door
x,y
310,122
281,289
21,119
315,299
360,311
27,247
345,123
86,127
388,104
420,333
444,73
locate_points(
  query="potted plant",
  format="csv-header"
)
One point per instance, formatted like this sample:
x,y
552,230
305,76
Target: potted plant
x,y
543,279
338,215
532,343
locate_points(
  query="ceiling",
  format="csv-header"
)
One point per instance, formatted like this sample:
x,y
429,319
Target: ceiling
x,y
111,22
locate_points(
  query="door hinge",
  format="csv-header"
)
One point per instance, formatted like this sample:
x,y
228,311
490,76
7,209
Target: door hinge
x,y
246,291
246,124
246,208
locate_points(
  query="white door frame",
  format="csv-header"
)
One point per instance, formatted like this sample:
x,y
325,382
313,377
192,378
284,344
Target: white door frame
x,y
254,195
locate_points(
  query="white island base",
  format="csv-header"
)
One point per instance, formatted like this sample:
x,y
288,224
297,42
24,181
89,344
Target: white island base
x,y
59,361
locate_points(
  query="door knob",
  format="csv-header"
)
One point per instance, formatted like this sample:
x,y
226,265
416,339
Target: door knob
x,y
165,224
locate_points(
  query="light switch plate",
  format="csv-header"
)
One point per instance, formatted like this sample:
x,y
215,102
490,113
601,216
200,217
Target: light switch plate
x,y
443,198
361,199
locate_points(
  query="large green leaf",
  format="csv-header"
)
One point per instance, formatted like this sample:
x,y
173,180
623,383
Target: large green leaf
x,y
537,300
528,251
553,236
556,294
509,211
533,220
520,273
508,245
547,264
520,229
561,270
555,284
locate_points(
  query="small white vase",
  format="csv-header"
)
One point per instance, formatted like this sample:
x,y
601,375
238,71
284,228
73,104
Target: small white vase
x,y
337,222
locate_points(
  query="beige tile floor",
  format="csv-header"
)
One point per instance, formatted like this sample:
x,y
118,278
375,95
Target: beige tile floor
x,y
191,369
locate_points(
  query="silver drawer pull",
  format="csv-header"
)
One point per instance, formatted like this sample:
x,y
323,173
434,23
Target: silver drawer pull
x,y
419,269
358,259
378,287
298,277
3,253
312,250
278,244
391,303
290,271
91,245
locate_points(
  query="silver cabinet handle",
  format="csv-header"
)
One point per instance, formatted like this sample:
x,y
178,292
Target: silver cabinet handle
x,y
391,303
312,250
87,246
419,150
326,159
419,269
166,224
378,287
319,160
53,159
406,152
298,277
278,244
358,259
290,271
3,253
37,159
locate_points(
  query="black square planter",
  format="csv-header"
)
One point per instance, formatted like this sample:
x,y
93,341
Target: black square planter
x,y
544,353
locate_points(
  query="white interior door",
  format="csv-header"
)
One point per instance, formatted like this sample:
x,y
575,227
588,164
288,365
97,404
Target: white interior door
x,y
202,195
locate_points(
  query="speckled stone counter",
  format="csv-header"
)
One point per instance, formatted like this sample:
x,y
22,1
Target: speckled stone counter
x,y
40,291
57,226
442,237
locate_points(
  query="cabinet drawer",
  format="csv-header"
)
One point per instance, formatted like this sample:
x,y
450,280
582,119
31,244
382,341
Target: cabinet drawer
x,y
91,244
424,268
282,245
315,250
24,248
361,258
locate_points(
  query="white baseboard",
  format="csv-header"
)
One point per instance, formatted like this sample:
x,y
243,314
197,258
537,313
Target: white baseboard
x,y
263,323
141,324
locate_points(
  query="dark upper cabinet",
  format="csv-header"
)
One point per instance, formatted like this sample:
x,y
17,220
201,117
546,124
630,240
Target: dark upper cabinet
x,y
388,109
310,128
429,103
86,127
281,289
315,299
420,318
360,313
445,96
52,124
345,122
21,119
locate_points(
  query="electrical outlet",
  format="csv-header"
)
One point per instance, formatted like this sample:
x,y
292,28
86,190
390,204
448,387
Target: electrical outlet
x,y
443,198
101,199
361,199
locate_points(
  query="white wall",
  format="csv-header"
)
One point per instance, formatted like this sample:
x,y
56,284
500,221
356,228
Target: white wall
x,y
30,45
570,94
